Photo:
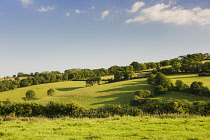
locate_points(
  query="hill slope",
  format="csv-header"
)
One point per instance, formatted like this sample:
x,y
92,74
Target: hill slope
x,y
40,90
113,93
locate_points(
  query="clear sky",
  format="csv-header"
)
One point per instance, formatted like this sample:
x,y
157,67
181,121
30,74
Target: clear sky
x,y
48,35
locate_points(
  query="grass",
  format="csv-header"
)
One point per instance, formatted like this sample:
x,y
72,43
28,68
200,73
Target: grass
x,y
17,95
189,78
126,128
205,61
100,95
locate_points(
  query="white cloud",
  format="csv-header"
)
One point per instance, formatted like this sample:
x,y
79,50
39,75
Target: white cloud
x,y
25,3
136,6
177,15
45,9
139,18
79,12
104,14
67,14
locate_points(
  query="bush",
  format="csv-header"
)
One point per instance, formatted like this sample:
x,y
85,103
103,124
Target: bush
x,y
143,93
30,95
50,92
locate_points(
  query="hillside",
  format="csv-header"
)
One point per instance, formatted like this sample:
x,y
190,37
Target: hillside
x,y
113,93
40,90
100,95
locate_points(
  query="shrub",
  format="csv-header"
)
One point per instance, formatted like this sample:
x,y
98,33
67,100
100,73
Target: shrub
x,y
30,95
50,92
143,93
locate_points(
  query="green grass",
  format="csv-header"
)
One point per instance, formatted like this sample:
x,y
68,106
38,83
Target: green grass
x,y
205,61
115,128
189,78
17,95
107,77
100,95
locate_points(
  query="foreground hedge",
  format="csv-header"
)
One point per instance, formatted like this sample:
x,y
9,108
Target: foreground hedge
x,y
158,106
145,106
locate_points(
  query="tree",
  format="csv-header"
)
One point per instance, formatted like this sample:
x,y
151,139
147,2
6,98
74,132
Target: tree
x,y
118,75
179,85
30,95
50,92
136,66
176,66
91,81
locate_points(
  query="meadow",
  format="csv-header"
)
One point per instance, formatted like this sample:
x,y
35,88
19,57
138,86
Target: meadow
x,y
189,78
100,95
145,127
18,94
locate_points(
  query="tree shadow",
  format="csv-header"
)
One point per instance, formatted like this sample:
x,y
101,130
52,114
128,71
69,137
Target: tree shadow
x,y
126,92
119,98
184,76
25,99
67,89
132,86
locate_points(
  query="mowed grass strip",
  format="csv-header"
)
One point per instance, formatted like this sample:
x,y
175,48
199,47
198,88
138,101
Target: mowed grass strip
x,y
18,94
126,128
100,95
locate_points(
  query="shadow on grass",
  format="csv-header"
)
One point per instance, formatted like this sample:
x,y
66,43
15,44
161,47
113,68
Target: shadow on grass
x,y
182,96
67,89
131,86
126,92
119,98
32,99
177,76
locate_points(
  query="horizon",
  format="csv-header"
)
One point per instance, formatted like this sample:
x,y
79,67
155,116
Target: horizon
x,y
57,35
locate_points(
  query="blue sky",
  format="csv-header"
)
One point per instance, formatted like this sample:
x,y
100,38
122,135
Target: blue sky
x,y
48,35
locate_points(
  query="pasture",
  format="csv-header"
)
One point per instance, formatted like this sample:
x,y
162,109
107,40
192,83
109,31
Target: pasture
x,y
18,94
189,78
189,128
100,95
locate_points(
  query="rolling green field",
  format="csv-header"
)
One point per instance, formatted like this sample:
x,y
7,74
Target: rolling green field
x,y
100,95
113,128
41,90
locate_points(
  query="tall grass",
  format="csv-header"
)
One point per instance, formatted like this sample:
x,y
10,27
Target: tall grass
x,y
112,128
